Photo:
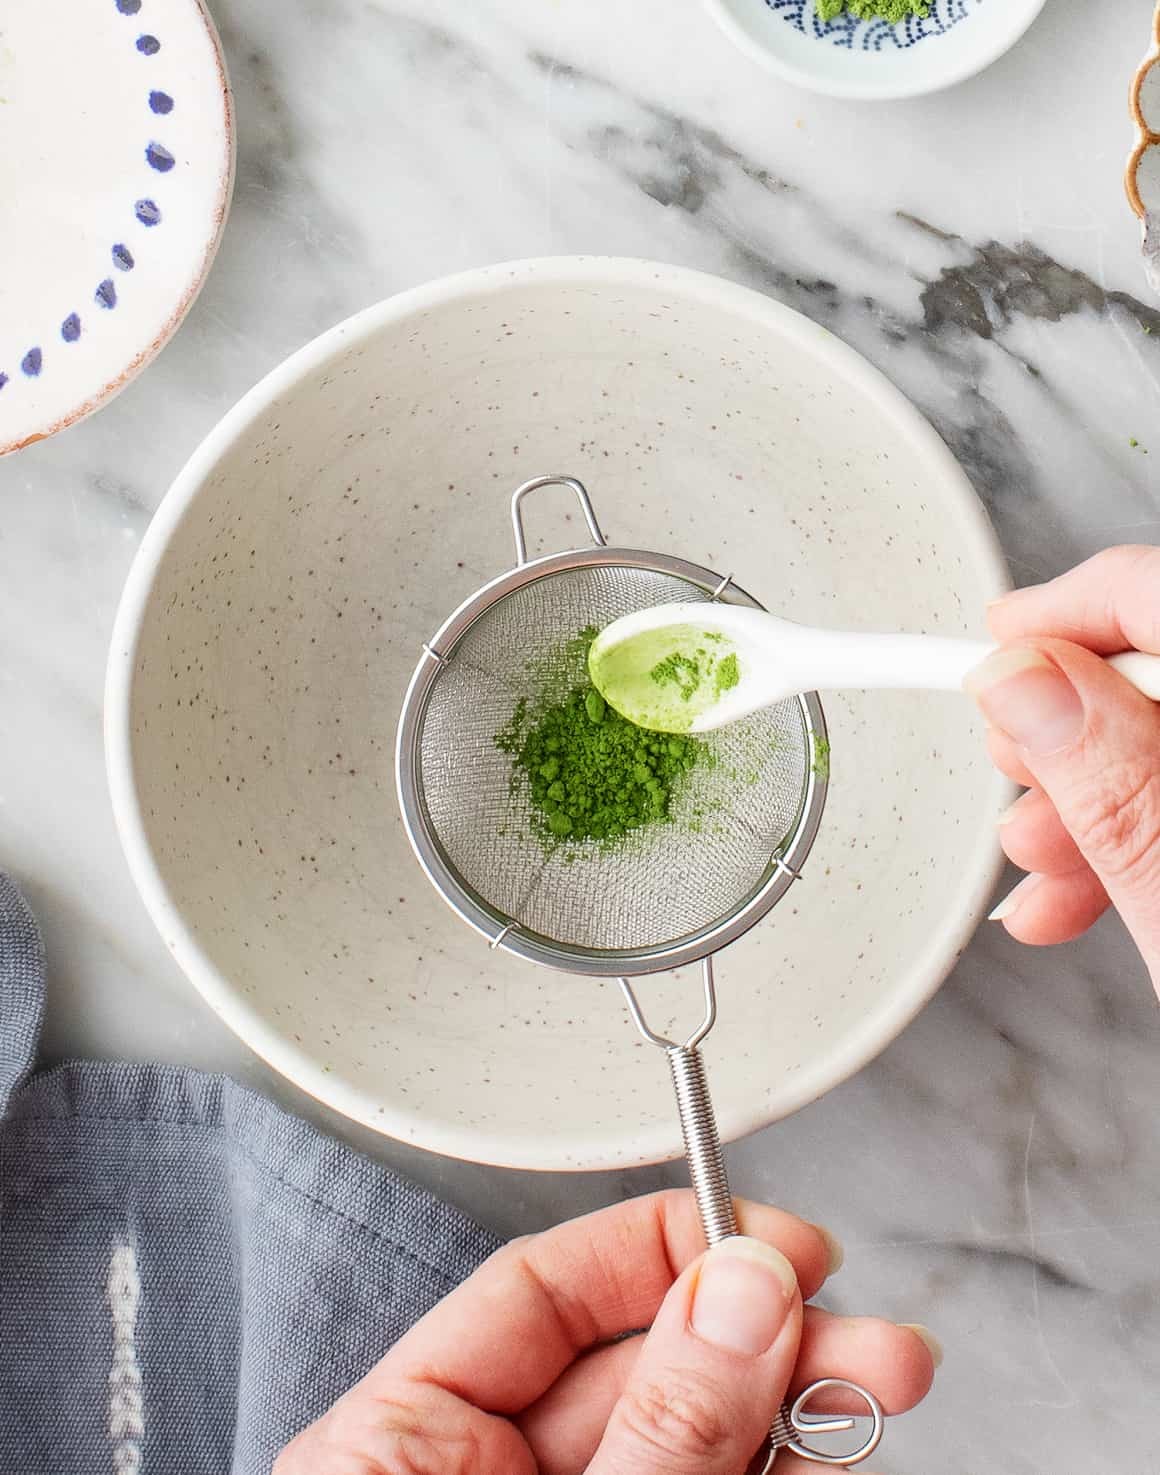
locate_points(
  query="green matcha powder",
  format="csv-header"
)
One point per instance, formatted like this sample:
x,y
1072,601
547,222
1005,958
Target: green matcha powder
x,y
894,11
590,773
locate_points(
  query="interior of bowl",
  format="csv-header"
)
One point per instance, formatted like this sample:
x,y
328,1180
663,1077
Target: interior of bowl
x,y
325,532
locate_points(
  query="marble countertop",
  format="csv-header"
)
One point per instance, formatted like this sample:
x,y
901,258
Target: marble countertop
x,y
995,1172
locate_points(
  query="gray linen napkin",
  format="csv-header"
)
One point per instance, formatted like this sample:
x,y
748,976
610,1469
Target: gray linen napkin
x,y
187,1274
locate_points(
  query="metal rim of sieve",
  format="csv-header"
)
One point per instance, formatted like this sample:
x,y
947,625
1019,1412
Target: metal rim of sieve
x,y
508,933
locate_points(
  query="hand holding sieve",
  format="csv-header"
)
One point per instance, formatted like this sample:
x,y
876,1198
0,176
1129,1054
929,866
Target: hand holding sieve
x,y
664,898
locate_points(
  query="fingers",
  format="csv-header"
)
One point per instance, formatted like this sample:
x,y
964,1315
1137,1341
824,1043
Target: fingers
x,y
504,1336
1045,910
1091,743
1005,755
564,1427
408,1427
894,1362
1034,837
1068,897
900,1362
1107,604
712,1371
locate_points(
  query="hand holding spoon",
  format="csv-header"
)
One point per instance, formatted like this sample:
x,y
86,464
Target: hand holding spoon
x,y
697,667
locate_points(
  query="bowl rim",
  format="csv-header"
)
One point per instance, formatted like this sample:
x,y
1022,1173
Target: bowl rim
x,y
978,870
869,90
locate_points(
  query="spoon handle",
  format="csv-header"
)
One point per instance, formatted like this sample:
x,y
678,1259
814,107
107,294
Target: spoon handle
x,y
1142,670
863,662
934,663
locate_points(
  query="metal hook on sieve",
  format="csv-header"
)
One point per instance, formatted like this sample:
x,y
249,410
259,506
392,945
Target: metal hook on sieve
x,y
706,1160
579,492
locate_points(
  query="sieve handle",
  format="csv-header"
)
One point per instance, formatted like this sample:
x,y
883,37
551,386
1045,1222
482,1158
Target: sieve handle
x,y
579,492
703,1151
710,1180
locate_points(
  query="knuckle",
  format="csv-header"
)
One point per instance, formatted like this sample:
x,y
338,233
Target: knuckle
x,y
682,1418
1125,560
407,1442
312,1453
415,1453
1118,825
1130,574
380,1438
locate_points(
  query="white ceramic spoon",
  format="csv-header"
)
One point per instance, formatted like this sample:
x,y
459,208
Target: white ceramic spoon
x,y
696,667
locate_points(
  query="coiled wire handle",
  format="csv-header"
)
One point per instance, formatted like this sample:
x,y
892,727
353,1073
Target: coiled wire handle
x,y
710,1181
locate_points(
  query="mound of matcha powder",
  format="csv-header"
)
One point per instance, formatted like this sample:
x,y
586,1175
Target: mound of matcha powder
x,y
591,774
894,11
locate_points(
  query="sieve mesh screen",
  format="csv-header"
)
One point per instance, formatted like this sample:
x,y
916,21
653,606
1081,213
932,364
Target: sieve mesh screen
x,y
657,885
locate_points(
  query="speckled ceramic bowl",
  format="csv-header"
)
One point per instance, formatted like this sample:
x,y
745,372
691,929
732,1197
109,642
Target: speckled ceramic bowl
x,y
324,530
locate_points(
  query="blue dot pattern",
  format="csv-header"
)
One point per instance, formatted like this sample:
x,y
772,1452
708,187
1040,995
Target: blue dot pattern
x,y
146,212
160,158
874,35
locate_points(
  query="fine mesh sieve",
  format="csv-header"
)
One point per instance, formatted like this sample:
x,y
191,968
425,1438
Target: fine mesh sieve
x,y
665,895
670,894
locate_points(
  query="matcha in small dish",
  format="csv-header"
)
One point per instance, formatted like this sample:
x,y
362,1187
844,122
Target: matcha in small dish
x,y
894,12
875,48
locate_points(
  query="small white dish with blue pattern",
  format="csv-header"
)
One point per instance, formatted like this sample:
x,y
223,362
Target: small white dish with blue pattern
x,y
116,166
848,57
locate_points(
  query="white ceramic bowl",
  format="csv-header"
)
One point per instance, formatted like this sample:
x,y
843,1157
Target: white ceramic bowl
x,y
868,59
323,531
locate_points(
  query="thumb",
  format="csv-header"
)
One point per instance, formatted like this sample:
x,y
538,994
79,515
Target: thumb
x,y
1092,743
713,1370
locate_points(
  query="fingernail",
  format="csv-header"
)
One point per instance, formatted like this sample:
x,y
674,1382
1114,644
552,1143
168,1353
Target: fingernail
x,y
1011,813
835,1254
1015,898
924,1334
1029,698
743,1295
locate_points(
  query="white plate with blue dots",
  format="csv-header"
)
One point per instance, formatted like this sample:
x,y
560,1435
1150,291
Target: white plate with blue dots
x,y
846,56
116,167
